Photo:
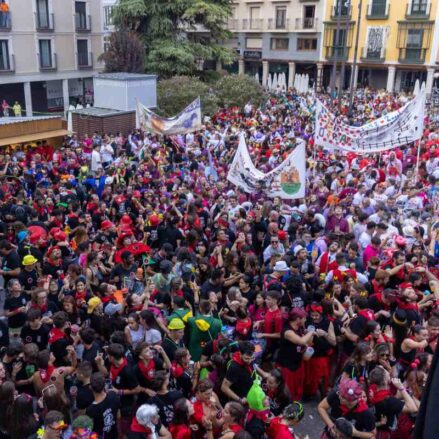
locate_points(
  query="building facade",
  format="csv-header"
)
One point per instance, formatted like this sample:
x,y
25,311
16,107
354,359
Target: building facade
x,y
49,53
277,36
397,43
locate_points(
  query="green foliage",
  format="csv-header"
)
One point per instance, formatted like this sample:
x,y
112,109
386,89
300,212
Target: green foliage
x,y
239,90
125,53
174,94
177,32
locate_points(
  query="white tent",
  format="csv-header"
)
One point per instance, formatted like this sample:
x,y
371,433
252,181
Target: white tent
x,y
269,82
274,83
417,88
257,78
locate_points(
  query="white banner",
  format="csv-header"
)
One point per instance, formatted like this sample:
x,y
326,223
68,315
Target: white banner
x,y
286,181
187,121
394,129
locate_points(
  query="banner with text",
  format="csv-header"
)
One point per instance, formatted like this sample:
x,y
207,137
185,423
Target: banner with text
x,y
187,121
394,129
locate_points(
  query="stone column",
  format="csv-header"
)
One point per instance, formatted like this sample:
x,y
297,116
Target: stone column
x,y
319,78
430,79
291,73
241,66
264,72
28,99
391,78
65,95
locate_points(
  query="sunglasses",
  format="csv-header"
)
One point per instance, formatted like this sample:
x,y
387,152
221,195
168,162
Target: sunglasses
x,y
274,242
384,355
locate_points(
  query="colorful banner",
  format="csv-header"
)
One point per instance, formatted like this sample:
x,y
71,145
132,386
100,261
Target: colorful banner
x,y
187,121
286,180
394,129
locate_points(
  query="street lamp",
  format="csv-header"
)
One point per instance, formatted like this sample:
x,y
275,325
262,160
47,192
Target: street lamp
x,y
354,62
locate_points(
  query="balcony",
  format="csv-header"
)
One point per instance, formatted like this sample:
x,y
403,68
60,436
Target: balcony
x,y
340,10
378,10
307,24
418,11
82,23
44,22
9,65
411,55
253,24
280,25
337,53
232,24
5,25
47,64
373,56
85,60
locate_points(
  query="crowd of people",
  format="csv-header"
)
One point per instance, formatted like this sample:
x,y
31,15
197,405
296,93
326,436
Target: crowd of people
x,y
146,297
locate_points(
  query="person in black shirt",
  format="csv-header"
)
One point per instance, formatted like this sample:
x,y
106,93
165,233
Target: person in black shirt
x,y
11,266
34,331
29,275
104,409
15,307
84,393
91,346
121,273
4,334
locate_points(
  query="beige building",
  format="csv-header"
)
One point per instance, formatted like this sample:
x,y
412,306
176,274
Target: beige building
x,y
49,52
277,36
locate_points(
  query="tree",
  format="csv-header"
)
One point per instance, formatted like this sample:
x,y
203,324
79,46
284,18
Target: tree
x,y
125,53
167,28
238,90
176,93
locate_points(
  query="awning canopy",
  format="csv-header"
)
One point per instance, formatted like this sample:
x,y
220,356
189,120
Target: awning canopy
x,y
32,137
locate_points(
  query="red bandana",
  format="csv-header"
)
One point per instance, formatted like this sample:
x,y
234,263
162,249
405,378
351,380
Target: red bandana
x,y
360,407
56,334
376,396
115,371
147,370
45,374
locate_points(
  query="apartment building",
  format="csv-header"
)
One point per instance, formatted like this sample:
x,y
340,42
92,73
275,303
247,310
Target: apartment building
x,y
397,43
49,53
277,36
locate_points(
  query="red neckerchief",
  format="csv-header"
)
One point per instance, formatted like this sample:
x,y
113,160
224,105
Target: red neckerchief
x,y
177,370
42,308
360,407
235,428
376,396
56,334
107,299
45,374
136,427
80,296
407,306
147,370
368,314
115,371
236,357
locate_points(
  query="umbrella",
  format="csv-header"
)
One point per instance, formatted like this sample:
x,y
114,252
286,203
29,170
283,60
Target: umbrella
x,y
37,233
137,248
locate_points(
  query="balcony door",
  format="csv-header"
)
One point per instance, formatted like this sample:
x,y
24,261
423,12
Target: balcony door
x,y
43,14
415,38
281,17
378,8
255,14
82,52
4,55
81,15
309,13
339,42
45,54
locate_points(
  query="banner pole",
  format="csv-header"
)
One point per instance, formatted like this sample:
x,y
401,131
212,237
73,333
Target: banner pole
x,y
417,161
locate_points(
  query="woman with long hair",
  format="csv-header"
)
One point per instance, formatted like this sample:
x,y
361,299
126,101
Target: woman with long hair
x,y
358,366
234,415
7,394
179,429
54,400
134,331
277,392
69,306
23,422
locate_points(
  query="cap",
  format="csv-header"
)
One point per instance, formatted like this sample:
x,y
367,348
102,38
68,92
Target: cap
x,y
92,304
175,324
112,308
22,235
106,224
29,260
297,249
282,235
350,390
154,220
280,266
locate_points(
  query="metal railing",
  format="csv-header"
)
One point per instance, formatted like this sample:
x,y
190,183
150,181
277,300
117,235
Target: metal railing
x,y
378,9
47,64
252,24
44,22
5,22
232,24
82,23
411,55
345,11
274,24
338,53
85,60
9,66
418,10
368,54
306,23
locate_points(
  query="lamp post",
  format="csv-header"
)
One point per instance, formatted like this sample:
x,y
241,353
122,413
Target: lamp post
x,y
354,61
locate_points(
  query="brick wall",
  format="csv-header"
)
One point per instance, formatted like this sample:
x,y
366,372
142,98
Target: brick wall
x,y
106,124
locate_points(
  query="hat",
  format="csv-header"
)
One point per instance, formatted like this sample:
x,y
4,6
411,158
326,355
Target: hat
x,y
22,235
112,308
297,249
29,260
60,236
280,266
408,231
106,224
282,235
175,324
154,220
350,390
93,303
399,317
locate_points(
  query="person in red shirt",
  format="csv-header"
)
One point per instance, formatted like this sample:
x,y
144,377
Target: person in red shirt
x,y
281,427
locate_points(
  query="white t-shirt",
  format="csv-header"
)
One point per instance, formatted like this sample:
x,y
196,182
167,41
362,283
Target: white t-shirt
x,y
96,162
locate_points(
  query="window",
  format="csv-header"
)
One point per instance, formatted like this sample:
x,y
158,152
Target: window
x,y
341,41
414,38
279,43
81,15
281,17
255,22
43,20
108,16
378,8
45,54
308,16
306,44
253,43
5,63
82,46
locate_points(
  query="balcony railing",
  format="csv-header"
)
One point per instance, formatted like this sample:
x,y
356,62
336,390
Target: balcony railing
x,y
418,10
233,24
337,53
253,24
378,10
9,65
370,55
47,64
342,11
45,22
274,24
306,23
85,60
5,23
411,55
82,23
